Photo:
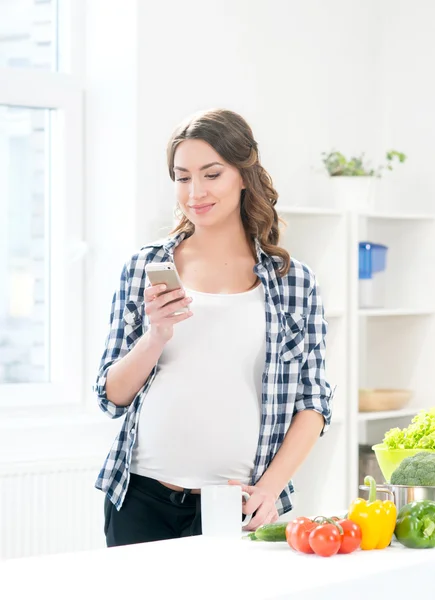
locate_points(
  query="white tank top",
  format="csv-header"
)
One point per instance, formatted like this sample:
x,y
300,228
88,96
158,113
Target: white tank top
x,y
200,420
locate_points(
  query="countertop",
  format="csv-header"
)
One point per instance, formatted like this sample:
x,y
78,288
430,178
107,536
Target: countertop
x,y
206,568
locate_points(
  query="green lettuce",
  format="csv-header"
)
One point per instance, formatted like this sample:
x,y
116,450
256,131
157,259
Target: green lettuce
x,y
420,433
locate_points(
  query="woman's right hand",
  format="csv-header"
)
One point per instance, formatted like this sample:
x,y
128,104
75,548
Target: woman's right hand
x,y
160,306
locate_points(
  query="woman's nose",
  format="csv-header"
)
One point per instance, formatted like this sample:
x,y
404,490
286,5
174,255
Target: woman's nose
x,y
197,191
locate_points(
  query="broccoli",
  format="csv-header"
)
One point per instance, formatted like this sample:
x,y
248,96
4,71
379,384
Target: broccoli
x,y
415,470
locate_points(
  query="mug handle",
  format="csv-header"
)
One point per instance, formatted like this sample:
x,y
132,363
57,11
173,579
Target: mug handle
x,y
247,518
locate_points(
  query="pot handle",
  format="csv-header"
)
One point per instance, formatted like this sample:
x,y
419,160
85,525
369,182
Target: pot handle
x,y
380,488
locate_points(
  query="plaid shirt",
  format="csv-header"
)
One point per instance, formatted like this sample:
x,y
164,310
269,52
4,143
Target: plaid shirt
x,y
294,370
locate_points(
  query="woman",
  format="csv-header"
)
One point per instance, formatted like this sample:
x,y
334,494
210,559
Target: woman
x,y
231,390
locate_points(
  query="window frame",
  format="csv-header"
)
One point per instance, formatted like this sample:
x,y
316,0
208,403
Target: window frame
x,y
63,93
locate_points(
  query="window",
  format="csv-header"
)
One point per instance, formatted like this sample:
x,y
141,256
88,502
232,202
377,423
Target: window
x,y
41,206
28,32
24,235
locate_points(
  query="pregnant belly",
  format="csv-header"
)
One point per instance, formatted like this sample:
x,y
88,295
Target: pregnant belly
x,y
190,444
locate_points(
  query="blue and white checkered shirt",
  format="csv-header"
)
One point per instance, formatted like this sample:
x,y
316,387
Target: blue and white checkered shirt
x,y
294,370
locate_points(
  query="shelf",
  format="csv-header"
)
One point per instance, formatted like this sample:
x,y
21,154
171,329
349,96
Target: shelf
x,y
395,312
336,212
387,414
309,211
399,216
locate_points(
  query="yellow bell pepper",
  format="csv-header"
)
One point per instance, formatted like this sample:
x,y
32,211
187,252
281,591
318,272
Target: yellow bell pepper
x,y
377,519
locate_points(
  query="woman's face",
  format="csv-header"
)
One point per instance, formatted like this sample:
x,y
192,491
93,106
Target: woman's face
x,y
207,188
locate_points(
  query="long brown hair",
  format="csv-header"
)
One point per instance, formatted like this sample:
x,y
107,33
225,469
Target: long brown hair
x,y
232,138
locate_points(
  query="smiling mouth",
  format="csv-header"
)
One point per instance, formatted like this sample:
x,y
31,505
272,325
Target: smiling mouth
x,y
201,208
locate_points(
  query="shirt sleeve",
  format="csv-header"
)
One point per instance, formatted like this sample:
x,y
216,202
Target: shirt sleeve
x,y
314,392
115,348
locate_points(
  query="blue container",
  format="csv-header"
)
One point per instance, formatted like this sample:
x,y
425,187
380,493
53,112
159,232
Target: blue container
x,y
372,259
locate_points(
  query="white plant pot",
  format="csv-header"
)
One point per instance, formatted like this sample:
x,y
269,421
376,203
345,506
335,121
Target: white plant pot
x,y
353,193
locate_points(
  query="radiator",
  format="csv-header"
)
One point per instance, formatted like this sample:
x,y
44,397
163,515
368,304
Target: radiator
x,y
51,507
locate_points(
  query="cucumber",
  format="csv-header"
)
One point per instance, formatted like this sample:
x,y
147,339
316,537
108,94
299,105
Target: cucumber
x,y
274,532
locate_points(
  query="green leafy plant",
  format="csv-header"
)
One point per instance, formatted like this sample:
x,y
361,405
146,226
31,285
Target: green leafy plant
x,y
338,165
420,433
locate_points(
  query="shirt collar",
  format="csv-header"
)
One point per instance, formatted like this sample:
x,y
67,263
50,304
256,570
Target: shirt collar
x,y
262,256
172,242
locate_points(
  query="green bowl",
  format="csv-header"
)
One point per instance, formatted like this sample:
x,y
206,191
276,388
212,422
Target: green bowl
x,y
389,460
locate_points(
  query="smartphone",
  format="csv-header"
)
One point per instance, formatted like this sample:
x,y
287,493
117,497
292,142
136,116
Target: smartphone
x,y
165,272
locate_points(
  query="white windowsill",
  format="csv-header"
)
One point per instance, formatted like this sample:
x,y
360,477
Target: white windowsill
x,y
73,417
65,436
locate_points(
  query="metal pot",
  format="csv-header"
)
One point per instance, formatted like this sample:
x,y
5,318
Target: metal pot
x,y
403,494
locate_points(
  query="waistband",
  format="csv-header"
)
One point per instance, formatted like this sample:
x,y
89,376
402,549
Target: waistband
x,y
152,486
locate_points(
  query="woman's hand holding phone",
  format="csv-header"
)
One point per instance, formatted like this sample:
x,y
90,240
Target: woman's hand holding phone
x,y
127,376
160,307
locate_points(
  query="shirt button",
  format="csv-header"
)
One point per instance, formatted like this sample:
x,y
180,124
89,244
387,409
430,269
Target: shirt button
x,y
132,431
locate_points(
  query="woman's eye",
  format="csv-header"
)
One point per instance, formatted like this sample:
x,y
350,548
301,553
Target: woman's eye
x,y
208,176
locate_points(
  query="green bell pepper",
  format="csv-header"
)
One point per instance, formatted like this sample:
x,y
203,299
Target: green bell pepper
x,y
415,525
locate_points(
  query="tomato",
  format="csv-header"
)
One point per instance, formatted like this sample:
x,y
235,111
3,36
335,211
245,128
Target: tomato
x,y
325,540
288,533
324,537
351,538
299,535
290,527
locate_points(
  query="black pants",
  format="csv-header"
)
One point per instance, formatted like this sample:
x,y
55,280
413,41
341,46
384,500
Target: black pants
x,y
151,512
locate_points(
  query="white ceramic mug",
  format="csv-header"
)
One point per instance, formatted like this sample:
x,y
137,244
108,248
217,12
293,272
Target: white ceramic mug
x,y
221,511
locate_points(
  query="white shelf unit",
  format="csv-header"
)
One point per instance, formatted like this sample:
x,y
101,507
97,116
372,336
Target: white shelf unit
x,y
388,347
387,414
393,346
395,312
308,211
390,216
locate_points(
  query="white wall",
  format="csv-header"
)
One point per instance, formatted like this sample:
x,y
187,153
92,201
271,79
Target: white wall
x,y
302,73
408,99
111,132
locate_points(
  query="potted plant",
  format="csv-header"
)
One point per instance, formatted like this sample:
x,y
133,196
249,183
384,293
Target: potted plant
x,y
353,179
